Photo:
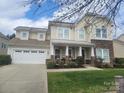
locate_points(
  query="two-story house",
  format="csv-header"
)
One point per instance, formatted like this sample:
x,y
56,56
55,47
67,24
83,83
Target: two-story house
x,y
3,44
86,38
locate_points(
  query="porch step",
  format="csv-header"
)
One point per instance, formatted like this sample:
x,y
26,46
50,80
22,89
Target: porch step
x,y
87,65
90,66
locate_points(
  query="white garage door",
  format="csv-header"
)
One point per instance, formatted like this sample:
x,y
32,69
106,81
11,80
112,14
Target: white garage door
x,y
29,56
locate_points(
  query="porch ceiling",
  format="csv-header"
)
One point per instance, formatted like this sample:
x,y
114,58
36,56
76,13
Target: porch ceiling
x,y
72,43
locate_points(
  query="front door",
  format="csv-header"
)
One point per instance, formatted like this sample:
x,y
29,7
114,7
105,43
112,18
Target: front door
x,y
70,52
83,55
57,53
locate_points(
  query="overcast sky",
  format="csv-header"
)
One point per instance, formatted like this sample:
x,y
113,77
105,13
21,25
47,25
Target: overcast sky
x,y
13,14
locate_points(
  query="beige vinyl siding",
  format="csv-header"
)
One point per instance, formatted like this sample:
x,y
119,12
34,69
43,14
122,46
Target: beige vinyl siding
x,y
54,32
99,25
90,31
17,34
121,38
118,49
3,50
33,35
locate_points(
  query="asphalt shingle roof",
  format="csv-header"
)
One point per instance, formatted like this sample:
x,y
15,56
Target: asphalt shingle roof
x,y
31,43
3,36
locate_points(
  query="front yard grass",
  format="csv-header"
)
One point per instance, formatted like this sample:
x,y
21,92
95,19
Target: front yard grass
x,y
82,82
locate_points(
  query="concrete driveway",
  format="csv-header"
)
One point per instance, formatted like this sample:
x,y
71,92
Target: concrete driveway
x,y
23,79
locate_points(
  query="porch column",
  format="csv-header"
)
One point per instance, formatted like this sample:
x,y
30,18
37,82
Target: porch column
x,y
52,50
66,52
92,56
80,51
92,52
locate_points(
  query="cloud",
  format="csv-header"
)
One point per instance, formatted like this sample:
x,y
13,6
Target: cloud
x,y
13,14
7,25
13,9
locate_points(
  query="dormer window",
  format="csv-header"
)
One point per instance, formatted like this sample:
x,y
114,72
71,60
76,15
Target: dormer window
x,y
41,36
24,35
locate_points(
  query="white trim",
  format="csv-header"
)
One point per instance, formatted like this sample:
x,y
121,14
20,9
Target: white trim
x,y
66,51
52,49
80,51
92,51
56,41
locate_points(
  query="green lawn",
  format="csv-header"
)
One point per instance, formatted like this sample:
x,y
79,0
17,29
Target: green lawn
x,y
82,82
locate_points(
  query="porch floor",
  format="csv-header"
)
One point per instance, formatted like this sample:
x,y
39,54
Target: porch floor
x,y
74,69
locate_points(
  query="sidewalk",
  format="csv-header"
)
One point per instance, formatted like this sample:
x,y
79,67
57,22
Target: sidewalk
x,y
73,69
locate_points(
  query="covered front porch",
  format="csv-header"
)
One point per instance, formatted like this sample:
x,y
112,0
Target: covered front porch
x,y
71,51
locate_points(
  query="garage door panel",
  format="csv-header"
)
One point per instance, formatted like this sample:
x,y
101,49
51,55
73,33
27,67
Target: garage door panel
x,y
29,56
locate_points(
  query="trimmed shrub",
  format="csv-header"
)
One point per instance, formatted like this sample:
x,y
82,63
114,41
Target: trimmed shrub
x,y
107,65
51,65
98,62
5,59
75,63
79,61
72,65
119,62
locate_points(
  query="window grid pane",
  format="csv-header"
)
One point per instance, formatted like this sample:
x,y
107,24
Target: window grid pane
x,y
106,54
24,34
98,33
63,33
99,53
41,36
103,53
66,33
81,34
104,33
60,34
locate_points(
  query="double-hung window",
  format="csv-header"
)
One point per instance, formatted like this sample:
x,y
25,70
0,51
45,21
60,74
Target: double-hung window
x,y
81,34
41,36
3,45
101,32
98,33
24,35
103,53
63,33
104,32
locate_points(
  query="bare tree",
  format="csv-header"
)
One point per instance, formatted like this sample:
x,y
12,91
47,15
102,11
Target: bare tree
x,y
71,9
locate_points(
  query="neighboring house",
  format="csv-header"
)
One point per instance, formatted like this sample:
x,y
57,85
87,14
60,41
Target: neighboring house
x,y
119,47
3,44
63,39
